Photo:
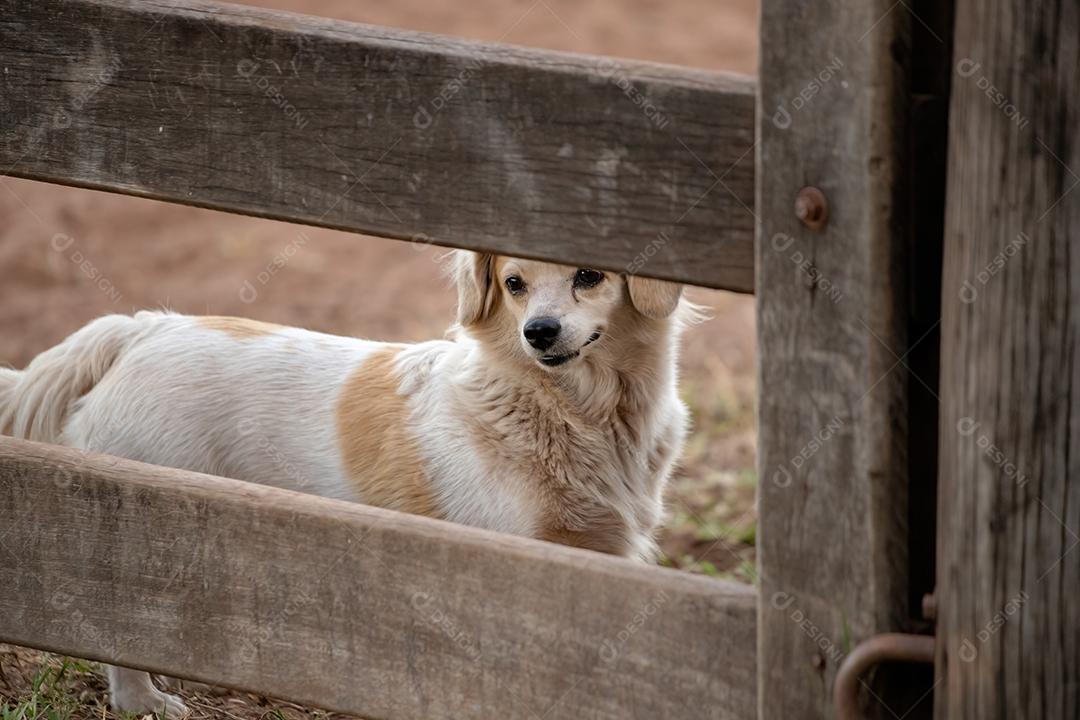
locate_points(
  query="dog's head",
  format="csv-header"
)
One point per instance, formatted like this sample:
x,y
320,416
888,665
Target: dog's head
x,y
551,315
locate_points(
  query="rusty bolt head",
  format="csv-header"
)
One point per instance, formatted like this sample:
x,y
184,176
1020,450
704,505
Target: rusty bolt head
x,y
811,208
817,661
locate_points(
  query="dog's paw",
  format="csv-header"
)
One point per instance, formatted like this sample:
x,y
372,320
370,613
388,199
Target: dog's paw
x,y
150,700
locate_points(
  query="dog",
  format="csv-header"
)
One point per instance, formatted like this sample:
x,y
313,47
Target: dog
x,y
551,410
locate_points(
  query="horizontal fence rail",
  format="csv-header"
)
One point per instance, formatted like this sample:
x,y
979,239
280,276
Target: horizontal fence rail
x,y
349,607
624,165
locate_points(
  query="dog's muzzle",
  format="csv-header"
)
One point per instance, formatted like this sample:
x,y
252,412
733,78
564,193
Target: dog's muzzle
x,y
557,360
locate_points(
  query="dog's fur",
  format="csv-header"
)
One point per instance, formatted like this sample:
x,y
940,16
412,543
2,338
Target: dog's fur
x,y
477,429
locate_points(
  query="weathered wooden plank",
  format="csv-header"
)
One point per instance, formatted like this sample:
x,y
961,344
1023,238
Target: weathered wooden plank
x,y
833,320
1009,527
612,163
350,607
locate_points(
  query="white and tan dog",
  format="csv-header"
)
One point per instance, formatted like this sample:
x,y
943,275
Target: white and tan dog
x,y
552,412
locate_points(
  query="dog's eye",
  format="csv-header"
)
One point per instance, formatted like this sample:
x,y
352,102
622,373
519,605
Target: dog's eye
x,y
515,285
586,278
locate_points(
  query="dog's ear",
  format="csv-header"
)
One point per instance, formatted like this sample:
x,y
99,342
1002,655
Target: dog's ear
x,y
655,299
473,275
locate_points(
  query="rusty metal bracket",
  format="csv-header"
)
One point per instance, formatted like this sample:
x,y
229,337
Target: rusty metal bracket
x,y
896,647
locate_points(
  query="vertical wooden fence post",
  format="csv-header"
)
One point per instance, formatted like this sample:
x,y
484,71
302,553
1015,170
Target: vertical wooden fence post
x,y
1009,527
834,316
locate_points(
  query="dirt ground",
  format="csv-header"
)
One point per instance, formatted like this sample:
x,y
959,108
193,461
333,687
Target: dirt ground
x,y
147,254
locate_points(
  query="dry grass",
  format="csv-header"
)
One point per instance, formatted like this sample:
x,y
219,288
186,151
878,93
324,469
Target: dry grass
x,y
711,524
42,686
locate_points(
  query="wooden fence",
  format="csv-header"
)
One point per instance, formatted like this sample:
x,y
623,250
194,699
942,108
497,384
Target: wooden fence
x,y
342,125
594,160
350,607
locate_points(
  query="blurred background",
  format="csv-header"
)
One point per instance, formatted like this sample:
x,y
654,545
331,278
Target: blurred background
x,y
69,255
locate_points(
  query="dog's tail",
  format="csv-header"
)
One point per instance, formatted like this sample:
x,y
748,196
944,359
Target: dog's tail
x,y
35,402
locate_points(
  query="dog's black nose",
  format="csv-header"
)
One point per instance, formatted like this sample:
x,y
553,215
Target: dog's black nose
x,y
541,332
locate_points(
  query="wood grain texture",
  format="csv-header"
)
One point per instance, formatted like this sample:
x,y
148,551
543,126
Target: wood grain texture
x,y
1009,522
554,156
832,325
353,608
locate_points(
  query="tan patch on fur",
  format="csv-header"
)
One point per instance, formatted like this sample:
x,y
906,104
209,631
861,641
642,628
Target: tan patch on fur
x,y
606,534
239,328
379,455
